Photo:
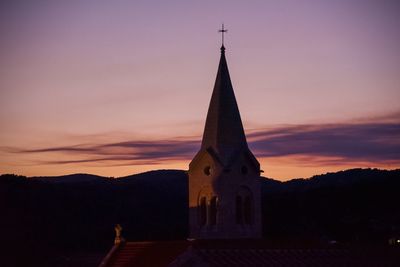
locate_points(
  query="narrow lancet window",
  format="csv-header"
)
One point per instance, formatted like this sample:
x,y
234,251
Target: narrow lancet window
x,y
203,211
239,210
247,210
213,211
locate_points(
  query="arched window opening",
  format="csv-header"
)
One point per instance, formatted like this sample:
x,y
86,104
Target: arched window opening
x,y
244,170
207,170
247,210
203,211
213,211
239,210
244,206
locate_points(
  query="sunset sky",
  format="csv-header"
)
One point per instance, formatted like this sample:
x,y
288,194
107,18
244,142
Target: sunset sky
x,y
120,87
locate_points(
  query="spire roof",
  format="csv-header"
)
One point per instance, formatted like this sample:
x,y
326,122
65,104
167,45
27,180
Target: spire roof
x,y
223,130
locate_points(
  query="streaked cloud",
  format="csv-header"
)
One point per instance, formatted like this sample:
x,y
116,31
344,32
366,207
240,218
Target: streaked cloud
x,y
350,142
119,153
317,144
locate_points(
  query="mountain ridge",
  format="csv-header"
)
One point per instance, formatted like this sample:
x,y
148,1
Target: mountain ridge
x,y
85,177
353,207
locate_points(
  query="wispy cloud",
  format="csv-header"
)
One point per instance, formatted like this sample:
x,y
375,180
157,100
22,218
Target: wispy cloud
x,y
350,142
119,153
322,143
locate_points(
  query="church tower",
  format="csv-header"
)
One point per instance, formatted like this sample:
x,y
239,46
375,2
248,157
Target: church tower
x,y
224,176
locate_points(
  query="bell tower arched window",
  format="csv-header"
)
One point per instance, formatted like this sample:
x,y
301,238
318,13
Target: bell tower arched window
x,y
247,210
244,207
239,213
213,211
203,211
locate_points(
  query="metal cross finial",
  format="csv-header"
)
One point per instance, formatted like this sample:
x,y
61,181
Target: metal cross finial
x,y
223,30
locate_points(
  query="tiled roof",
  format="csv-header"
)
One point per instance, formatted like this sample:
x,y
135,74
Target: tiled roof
x,y
273,257
152,254
215,253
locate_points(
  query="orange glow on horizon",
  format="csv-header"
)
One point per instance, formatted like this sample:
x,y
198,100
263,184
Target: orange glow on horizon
x,y
280,168
291,167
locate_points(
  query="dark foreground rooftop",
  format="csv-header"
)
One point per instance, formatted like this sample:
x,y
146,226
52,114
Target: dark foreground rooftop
x,y
242,253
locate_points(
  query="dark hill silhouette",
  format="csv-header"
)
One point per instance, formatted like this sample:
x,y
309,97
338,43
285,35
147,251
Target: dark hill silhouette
x,y
71,178
356,206
44,216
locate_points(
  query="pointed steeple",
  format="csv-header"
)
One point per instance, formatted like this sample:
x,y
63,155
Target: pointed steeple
x,y
223,130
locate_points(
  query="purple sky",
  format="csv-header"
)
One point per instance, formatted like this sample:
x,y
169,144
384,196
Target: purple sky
x,y
88,75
